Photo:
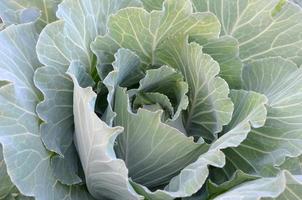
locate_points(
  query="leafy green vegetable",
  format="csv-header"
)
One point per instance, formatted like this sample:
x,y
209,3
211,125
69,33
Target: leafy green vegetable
x,y
150,99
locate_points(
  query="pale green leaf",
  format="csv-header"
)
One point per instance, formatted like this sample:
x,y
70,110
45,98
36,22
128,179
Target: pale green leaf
x,y
280,80
225,50
209,105
23,11
293,189
270,187
249,111
284,186
53,47
56,112
142,32
150,5
57,94
106,176
188,181
262,28
53,52
19,121
57,89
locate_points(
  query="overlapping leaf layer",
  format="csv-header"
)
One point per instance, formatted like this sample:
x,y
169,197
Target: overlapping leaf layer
x,y
150,99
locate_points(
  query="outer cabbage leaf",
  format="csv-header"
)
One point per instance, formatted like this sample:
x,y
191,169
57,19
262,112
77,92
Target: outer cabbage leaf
x,y
150,5
268,146
294,187
225,50
209,105
284,186
249,112
262,28
59,44
188,181
59,93
23,11
106,176
263,188
19,121
142,32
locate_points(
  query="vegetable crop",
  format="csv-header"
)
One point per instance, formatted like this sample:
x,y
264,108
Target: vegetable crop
x,y
150,99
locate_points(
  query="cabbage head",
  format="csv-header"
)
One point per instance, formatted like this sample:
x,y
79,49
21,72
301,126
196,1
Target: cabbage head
x,y
150,99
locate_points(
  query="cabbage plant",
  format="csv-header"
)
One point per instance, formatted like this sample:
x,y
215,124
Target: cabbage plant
x,y
150,99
